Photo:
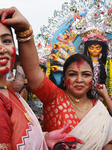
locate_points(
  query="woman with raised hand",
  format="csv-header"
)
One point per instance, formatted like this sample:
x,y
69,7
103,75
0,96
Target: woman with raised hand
x,y
19,127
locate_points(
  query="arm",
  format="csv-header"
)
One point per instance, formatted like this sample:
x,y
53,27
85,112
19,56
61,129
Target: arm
x,y
27,50
102,91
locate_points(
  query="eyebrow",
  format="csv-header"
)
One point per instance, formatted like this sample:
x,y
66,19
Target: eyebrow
x,y
82,71
6,34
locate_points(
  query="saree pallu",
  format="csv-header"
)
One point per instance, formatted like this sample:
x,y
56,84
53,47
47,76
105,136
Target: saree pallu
x,y
17,133
34,138
95,129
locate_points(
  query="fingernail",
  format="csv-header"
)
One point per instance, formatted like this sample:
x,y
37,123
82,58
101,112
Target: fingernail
x,y
80,141
3,21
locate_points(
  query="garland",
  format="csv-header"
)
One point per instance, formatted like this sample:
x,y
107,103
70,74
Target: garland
x,y
48,69
109,76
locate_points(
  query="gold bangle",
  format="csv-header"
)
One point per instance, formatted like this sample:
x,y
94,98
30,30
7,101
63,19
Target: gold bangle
x,y
25,33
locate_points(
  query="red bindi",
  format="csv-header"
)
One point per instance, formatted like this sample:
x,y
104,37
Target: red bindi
x,y
79,63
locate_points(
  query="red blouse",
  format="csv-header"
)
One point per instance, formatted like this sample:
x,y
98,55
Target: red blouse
x,y
57,107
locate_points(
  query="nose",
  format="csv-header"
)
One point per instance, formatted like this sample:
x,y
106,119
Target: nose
x,y
79,78
2,49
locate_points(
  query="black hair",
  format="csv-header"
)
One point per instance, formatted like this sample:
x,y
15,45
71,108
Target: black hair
x,y
68,62
102,60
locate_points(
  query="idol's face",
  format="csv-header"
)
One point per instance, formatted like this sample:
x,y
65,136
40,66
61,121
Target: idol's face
x,y
78,78
7,50
95,50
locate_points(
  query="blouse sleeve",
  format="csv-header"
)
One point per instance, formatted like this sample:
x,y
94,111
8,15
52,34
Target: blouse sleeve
x,y
5,123
46,91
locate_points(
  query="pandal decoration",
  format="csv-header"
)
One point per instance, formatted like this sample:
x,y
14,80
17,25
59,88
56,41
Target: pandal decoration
x,y
62,36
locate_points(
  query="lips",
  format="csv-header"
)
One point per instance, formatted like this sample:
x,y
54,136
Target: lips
x,y
3,61
79,87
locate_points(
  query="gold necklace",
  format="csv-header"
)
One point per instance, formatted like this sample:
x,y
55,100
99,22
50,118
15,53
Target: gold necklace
x,y
73,104
76,100
26,115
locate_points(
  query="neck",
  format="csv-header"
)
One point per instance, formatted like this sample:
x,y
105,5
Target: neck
x,y
80,99
3,81
94,59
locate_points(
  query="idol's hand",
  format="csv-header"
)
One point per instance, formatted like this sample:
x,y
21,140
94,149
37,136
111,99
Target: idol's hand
x,y
56,136
12,16
76,16
110,11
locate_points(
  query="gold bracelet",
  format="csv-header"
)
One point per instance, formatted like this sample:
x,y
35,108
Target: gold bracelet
x,y
25,33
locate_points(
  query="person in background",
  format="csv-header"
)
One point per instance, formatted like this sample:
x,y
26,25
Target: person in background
x,y
102,91
17,80
19,127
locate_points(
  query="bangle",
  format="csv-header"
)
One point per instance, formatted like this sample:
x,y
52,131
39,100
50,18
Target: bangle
x,y
25,39
107,97
25,34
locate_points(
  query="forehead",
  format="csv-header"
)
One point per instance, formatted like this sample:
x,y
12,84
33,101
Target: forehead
x,y
94,45
80,65
4,29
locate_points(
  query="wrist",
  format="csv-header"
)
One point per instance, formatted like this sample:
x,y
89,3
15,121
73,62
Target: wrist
x,y
107,97
46,137
25,35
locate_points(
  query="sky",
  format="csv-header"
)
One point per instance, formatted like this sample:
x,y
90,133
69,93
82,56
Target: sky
x,y
36,11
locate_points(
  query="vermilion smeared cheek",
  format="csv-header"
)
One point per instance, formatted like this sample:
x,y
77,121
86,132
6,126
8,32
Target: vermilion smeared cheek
x,y
68,84
13,56
90,85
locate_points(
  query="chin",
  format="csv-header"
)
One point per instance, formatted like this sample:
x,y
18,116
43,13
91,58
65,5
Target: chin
x,y
4,71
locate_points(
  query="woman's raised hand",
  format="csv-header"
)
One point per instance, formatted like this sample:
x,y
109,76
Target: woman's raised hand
x,y
12,16
101,90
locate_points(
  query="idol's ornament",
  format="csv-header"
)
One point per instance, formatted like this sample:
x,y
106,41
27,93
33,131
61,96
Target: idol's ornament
x,y
68,31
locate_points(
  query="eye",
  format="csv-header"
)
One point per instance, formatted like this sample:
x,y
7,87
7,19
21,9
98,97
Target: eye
x,y
86,74
72,74
7,41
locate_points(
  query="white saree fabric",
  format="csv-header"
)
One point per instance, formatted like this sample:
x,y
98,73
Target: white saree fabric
x,y
95,129
35,139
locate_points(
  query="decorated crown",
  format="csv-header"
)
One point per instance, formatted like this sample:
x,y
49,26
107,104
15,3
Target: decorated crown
x,y
94,35
95,24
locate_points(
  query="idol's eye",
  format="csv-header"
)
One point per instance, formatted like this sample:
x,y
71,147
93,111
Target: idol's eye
x,y
91,47
98,48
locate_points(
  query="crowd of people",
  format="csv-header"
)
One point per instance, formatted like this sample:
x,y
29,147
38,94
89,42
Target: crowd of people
x,y
71,110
